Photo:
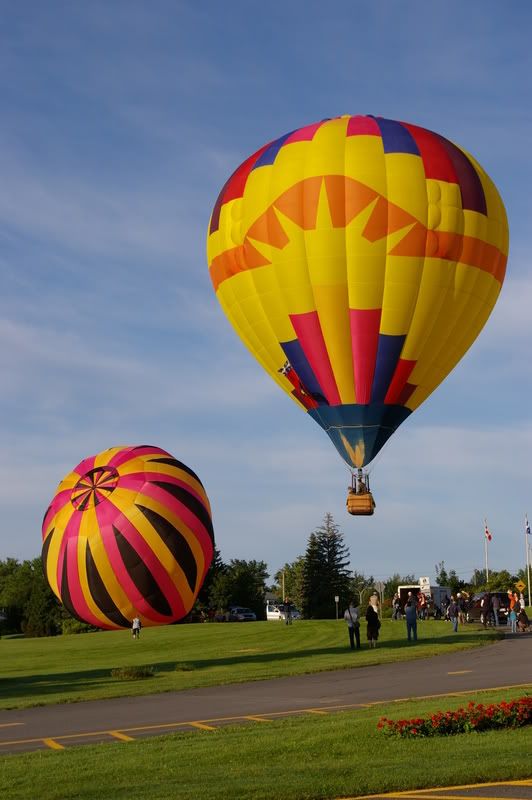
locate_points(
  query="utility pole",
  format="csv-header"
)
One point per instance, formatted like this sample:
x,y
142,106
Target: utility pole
x,y
527,545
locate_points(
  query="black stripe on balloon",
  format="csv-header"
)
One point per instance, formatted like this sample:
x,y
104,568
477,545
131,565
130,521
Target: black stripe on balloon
x,y
99,593
191,502
65,590
176,543
44,552
173,462
141,576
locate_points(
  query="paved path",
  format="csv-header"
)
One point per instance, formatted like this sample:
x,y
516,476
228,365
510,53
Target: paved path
x,y
508,662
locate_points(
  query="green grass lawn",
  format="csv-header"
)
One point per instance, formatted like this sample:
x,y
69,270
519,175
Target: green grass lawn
x,y
299,758
78,667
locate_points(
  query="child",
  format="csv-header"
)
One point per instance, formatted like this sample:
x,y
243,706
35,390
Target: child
x,y
135,628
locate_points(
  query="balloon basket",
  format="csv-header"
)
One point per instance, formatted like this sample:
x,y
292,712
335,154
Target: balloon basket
x,y
360,504
360,501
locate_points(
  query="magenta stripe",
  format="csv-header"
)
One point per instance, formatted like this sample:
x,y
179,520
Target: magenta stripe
x,y
365,324
308,331
70,531
108,515
85,466
129,453
305,134
181,511
74,586
359,126
136,480
60,500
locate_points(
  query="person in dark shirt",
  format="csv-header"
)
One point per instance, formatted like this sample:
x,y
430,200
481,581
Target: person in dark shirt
x,y
372,618
411,620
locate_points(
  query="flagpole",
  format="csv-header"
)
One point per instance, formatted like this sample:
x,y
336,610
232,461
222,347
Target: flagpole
x,y
527,533
486,553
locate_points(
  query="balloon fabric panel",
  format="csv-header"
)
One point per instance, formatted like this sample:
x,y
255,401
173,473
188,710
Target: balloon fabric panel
x,y
128,533
358,258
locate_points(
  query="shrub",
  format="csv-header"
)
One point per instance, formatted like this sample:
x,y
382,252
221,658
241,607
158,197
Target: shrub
x,y
184,666
475,717
132,673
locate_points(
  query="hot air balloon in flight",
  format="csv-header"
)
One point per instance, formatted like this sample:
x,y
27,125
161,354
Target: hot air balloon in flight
x,y
128,534
358,258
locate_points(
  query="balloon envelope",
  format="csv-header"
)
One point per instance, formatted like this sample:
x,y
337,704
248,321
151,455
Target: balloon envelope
x,y
358,258
128,533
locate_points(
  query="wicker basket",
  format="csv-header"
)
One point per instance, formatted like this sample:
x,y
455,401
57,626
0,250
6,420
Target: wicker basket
x,y
360,504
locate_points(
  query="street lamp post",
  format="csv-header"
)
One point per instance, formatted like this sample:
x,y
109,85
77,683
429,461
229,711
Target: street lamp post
x,y
360,593
336,600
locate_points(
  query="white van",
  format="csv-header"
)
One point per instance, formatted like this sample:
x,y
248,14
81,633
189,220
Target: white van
x,y
276,611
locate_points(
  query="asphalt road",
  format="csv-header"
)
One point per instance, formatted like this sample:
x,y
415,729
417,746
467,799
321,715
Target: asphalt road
x,y
508,662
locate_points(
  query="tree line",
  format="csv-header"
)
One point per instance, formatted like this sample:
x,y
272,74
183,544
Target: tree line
x,y
311,582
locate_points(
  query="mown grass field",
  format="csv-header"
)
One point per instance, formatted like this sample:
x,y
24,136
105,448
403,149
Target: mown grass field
x,y
303,758
78,667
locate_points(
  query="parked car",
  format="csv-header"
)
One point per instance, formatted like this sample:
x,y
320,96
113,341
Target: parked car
x,y
277,611
474,610
241,614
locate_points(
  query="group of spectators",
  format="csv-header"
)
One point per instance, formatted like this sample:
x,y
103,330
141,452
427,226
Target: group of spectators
x,y
455,608
514,611
459,608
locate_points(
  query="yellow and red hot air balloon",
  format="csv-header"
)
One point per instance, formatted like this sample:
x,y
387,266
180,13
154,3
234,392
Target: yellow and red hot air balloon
x,y
128,534
358,258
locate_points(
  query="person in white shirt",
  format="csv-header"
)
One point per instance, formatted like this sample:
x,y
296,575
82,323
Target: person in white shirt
x,y
351,616
135,628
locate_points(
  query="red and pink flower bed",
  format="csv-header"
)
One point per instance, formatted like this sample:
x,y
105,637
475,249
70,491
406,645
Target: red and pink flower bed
x,y
474,717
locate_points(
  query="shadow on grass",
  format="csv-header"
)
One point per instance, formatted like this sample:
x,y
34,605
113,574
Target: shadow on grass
x,y
74,684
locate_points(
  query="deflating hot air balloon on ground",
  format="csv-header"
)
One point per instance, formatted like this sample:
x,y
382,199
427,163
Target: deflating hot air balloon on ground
x,y
128,533
358,258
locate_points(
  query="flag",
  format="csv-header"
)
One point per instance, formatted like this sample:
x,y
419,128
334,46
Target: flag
x,y
527,526
487,534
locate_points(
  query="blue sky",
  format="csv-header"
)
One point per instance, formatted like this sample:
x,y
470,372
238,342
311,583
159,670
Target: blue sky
x,y
120,123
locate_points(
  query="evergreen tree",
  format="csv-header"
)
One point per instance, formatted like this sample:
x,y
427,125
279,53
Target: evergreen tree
x,y
216,568
313,569
325,571
442,578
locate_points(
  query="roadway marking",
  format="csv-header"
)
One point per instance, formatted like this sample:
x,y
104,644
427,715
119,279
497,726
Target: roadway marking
x,y
460,672
429,795
53,744
10,724
204,724
430,792
121,736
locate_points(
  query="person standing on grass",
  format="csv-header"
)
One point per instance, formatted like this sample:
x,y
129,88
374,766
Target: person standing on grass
x,y
396,603
287,611
453,613
352,617
372,618
411,620
495,605
512,618
485,608
135,628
